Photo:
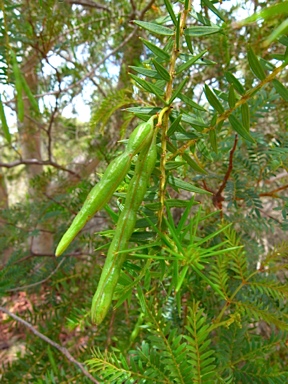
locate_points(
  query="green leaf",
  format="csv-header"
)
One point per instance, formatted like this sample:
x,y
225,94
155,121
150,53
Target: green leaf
x,y
190,102
201,31
213,100
154,28
161,70
187,158
178,183
213,140
213,9
170,11
238,127
231,96
146,72
18,86
237,85
173,127
156,50
245,116
149,87
177,37
279,31
194,120
189,44
255,65
29,94
267,13
280,89
191,61
5,127
178,90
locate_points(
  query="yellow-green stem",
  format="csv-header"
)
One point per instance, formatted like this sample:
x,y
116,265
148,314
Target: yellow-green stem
x,y
165,121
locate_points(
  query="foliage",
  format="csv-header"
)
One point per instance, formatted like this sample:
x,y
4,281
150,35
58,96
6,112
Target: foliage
x,y
202,295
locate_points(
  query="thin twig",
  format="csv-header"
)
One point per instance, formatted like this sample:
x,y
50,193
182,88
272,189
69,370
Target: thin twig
x,y
61,349
38,282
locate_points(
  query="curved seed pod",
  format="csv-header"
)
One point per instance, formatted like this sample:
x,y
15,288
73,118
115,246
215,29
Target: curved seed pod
x,y
99,195
125,227
102,192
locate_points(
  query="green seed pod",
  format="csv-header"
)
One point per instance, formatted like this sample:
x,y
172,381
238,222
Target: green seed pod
x,y
140,136
99,195
113,176
125,227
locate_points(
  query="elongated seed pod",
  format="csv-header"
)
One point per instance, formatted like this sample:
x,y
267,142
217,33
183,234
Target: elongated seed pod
x,y
102,192
125,227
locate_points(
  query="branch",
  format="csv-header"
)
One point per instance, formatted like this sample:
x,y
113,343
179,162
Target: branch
x,y
88,3
38,162
61,349
217,197
273,193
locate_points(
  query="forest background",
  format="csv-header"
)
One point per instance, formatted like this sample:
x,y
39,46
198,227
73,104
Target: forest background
x,y
202,295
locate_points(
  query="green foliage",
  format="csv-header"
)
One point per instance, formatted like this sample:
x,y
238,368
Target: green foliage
x,y
202,296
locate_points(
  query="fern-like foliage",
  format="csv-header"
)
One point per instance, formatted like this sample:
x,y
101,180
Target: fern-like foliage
x,y
115,100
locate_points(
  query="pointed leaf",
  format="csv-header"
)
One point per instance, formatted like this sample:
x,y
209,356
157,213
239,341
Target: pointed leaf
x,y
189,43
280,89
155,28
231,96
173,127
146,72
4,123
191,61
255,65
245,116
237,85
213,9
213,100
178,90
156,50
238,127
29,94
201,31
213,140
178,183
161,70
190,102
170,11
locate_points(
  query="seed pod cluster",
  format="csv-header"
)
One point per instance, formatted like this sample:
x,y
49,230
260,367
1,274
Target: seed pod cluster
x,y
125,227
102,192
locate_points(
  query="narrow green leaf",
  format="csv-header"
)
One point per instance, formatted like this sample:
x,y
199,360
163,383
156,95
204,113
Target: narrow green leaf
x,y
213,9
149,87
181,278
212,99
173,127
267,13
213,140
178,90
280,89
237,85
18,86
170,11
154,28
189,63
196,121
156,50
187,158
189,43
144,110
238,127
201,31
29,94
186,4
178,183
231,96
255,64
178,32
146,72
5,127
282,29
190,102
245,116
161,70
